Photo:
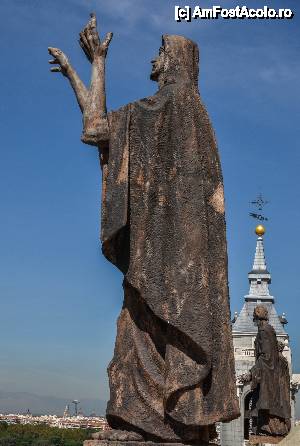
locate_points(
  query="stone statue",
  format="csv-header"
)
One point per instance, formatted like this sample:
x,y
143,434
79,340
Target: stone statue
x,y
270,381
172,375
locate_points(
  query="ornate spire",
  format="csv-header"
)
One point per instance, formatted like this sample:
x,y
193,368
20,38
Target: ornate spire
x,y
259,278
259,263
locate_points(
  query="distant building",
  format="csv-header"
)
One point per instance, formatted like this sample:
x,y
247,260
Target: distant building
x,y
236,433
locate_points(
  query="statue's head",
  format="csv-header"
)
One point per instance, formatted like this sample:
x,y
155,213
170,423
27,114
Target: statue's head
x,y
178,61
260,313
158,64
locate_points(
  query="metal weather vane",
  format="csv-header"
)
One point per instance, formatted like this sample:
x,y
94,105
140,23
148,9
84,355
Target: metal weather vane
x,y
259,203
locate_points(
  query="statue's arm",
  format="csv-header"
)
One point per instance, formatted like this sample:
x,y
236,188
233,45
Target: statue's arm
x,y
92,101
245,378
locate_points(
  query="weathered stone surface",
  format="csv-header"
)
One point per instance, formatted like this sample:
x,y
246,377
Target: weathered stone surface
x,y
163,226
139,443
264,439
293,438
117,435
270,382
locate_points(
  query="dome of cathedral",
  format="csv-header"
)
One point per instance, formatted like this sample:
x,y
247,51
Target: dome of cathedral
x,y
260,230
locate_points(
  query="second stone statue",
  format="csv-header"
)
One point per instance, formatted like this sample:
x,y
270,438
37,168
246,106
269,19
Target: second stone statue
x,y
163,225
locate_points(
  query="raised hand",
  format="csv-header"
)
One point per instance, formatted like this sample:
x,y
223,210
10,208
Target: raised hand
x,y
60,59
90,41
245,378
64,67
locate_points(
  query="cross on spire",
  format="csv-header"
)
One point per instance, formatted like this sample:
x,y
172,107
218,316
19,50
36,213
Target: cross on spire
x,y
259,277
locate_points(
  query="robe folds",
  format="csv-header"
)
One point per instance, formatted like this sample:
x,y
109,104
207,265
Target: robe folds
x,y
270,381
163,226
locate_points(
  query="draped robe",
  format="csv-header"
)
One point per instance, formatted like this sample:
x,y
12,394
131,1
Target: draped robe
x,y
163,226
270,381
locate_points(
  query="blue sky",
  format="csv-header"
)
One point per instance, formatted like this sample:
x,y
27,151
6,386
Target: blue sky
x,y
59,297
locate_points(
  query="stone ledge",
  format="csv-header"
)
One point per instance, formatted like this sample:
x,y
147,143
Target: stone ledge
x,y
293,438
137,443
262,439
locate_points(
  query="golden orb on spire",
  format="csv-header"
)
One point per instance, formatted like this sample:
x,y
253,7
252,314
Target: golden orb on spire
x,y
260,230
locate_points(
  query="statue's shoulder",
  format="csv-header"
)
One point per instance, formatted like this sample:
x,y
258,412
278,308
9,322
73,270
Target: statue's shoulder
x,y
271,329
155,102
121,110
267,329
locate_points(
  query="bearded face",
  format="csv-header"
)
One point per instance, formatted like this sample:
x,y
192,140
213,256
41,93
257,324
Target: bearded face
x,y
158,65
260,313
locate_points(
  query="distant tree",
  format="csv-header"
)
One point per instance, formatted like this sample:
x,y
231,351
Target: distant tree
x,y
56,440
41,435
73,443
8,441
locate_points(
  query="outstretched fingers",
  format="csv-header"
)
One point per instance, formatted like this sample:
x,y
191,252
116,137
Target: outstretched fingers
x,y
93,30
93,20
107,40
90,31
53,51
83,42
55,69
86,40
59,58
90,42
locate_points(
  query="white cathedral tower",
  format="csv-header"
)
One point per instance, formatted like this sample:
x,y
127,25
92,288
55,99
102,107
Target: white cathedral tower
x,y
236,433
